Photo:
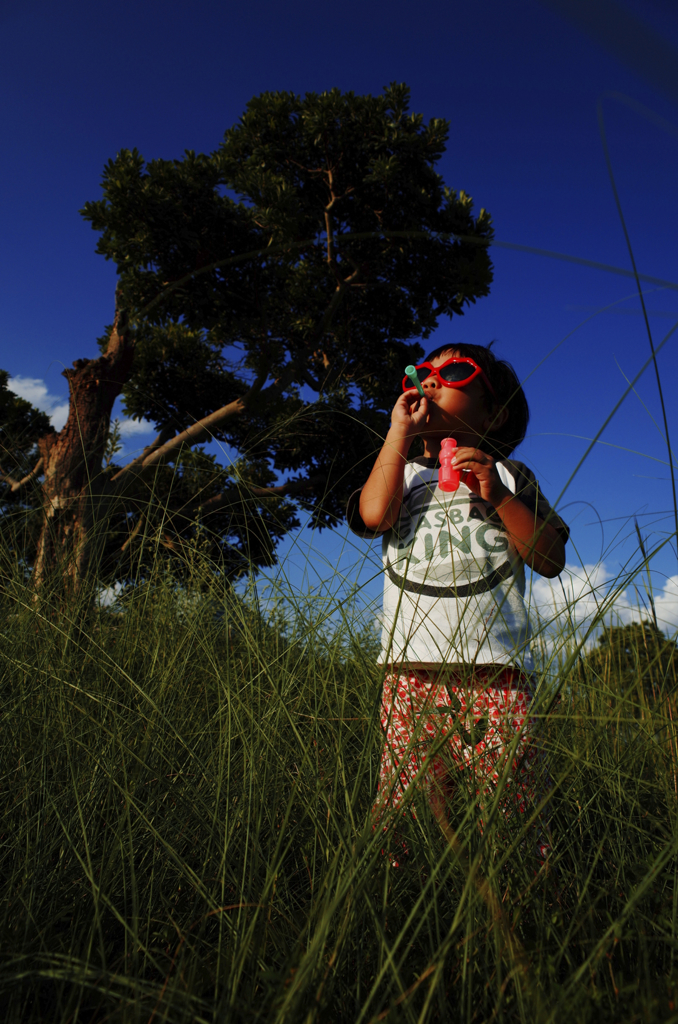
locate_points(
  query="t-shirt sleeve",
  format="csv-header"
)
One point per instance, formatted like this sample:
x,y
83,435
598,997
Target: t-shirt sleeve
x,y
530,493
355,520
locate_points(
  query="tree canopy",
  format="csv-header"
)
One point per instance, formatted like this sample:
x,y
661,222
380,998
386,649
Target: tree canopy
x,y
269,295
339,197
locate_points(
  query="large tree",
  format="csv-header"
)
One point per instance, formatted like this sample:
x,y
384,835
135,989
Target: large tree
x,y
269,296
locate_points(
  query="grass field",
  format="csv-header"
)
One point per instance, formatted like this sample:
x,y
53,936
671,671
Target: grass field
x,y
186,834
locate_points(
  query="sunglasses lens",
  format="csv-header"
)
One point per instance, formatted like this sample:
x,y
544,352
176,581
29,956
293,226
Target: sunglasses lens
x,y
423,372
455,373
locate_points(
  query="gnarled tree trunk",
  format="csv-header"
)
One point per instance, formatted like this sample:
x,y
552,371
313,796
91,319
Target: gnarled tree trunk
x,y
79,499
74,488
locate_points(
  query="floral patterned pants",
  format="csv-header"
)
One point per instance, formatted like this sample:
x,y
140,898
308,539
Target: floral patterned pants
x,y
436,725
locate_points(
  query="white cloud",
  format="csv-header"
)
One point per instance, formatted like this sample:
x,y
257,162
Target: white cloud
x,y
666,604
59,415
109,595
586,594
577,595
129,428
34,390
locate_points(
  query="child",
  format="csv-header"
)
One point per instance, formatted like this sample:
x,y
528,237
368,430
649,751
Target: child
x,y
456,635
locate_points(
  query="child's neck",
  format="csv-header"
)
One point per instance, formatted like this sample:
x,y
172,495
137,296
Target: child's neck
x,y
432,444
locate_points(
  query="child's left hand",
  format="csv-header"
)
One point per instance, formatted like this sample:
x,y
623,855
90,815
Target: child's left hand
x,y
484,468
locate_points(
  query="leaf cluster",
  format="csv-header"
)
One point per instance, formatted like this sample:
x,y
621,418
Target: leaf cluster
x,y
170,519
21,425
310,251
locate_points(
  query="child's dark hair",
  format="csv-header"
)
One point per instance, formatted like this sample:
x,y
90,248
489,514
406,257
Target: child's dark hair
x,y
508,394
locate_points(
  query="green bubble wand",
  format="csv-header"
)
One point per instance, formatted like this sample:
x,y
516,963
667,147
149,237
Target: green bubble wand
x,y
411,372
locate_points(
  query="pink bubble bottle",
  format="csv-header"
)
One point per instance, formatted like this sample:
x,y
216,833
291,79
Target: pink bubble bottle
x,y
448,476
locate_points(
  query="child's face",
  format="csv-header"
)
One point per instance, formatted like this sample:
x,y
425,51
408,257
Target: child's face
x,y
465,413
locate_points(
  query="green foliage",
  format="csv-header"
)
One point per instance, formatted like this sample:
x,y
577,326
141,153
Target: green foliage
x,y
310,251
195,508
168,518
187,832
638,657
113,443
21,425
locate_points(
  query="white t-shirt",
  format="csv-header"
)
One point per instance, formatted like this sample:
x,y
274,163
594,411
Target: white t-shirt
x,y
453,584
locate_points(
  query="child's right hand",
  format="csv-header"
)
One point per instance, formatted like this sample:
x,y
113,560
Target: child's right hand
x,y
409,413
382,494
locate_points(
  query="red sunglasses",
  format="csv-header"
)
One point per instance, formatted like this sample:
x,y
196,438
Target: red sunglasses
x,y
456,372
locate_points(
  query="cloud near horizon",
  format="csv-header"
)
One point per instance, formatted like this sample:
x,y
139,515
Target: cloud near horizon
x,y
130,428
35,391
585,592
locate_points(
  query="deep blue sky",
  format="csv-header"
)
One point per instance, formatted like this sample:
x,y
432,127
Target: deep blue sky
x,y
520,86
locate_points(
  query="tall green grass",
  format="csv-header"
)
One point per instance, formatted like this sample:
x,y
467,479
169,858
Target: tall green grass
x,y
186,833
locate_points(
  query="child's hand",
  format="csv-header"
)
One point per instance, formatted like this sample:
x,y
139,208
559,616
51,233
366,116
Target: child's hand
x,y
485,470
409,413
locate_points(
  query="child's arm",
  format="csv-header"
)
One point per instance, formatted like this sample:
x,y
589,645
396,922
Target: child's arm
x,y
538,543
382,495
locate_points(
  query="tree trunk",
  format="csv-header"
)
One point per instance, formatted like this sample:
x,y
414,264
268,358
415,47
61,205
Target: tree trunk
x,y
74,488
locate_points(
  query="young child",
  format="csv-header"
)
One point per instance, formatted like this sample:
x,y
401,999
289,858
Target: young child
x,y
456,634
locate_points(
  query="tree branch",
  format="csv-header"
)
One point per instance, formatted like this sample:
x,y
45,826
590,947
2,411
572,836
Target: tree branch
x,y
163,449
204,428
16,485
226,498
335,302
294,370
289,487
162,438
309,379
361,236
120,340
169,543
133,534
